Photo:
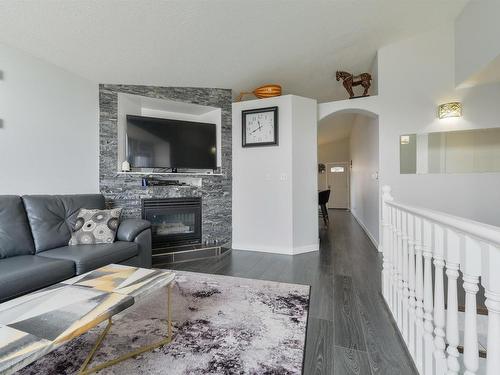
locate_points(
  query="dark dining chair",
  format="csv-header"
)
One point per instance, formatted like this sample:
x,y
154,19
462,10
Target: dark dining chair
x,y
323,197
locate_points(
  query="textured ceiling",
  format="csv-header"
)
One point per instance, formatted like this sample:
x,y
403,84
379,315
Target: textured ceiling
x,y
217,43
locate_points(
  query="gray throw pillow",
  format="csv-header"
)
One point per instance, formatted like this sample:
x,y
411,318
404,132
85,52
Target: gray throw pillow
x,y
95,226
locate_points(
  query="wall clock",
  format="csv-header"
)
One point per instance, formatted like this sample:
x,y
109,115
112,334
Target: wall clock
x,y
260,127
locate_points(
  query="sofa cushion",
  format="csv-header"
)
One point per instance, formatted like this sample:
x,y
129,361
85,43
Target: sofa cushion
x,y
23,274
52,217
90,257
15,233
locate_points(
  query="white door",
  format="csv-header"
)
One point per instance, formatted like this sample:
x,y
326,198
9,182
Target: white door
x,y
337,176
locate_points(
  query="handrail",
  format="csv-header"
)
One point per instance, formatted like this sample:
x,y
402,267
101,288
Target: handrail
x,y
425,252
477,229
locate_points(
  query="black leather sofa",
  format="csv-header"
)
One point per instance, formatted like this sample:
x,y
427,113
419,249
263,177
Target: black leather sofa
x,y
34,235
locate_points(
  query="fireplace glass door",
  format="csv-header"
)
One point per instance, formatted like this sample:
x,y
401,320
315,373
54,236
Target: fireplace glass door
x,y
173,221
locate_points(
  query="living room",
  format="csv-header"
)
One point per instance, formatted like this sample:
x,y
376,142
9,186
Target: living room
x,y
164,163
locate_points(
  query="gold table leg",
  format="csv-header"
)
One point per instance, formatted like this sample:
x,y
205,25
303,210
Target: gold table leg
x,y
84,370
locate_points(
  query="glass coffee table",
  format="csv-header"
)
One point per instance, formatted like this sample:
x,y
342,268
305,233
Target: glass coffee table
x,y
37,323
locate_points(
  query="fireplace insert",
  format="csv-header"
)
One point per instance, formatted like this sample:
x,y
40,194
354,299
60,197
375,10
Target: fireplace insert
x,y
174,221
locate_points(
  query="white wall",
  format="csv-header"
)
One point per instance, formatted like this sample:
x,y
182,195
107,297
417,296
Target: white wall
x,y
267,181
334,151
415,76
476,43
49,138
304,174
364,184
126,106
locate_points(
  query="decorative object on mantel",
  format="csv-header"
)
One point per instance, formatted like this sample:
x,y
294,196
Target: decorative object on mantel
x,y
266,91
321,168
125,166
349,80
259,127
452,109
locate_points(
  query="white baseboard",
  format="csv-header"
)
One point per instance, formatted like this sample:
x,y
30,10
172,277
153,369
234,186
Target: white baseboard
x,y
305,249
362,225
276,249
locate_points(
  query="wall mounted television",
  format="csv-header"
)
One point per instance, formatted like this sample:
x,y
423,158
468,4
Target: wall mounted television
x,y
166,143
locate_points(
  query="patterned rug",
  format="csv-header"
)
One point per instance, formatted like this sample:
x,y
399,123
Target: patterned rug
x,y
222,325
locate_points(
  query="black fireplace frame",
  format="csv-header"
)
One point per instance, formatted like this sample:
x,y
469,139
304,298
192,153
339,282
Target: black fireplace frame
x,y
192,204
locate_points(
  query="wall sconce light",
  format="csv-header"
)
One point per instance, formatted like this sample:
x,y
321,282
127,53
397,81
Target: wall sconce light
x,y
453,109
405,139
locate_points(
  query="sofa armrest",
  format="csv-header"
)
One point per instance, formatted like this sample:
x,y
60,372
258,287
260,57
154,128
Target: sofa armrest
x,y
143,240
129,229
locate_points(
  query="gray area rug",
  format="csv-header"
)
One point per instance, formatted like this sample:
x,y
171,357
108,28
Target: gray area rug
x,y
222,325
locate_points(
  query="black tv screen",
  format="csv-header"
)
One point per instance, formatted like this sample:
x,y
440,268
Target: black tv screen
x,y
165,143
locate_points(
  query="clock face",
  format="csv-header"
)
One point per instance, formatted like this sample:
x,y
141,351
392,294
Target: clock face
x,y
260,127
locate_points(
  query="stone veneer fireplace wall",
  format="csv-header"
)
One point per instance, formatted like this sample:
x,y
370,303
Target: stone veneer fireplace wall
x,y
126,190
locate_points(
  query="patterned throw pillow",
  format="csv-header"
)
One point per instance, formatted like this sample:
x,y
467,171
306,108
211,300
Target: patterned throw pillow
x,y
95,226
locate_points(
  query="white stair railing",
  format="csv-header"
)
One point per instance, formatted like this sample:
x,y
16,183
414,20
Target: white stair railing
x,y
423,249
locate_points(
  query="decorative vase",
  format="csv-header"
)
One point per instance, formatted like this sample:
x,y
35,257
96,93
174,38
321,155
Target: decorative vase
x,y
125,166
266,91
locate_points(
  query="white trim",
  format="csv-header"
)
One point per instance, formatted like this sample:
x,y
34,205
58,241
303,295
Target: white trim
x,y
489,233
370,236
277,250
305,249
263,249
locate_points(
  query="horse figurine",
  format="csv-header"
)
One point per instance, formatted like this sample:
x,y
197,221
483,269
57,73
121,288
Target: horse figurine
x,y
349,80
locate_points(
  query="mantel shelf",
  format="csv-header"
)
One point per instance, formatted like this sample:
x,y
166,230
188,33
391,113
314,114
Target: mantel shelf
x,y
178,174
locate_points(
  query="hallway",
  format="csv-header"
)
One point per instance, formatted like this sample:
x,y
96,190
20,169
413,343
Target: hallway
x,y
349,329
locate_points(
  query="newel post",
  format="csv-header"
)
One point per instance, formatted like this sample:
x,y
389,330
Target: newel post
x,y
386,243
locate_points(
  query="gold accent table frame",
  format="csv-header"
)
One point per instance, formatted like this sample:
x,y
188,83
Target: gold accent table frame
x,y
37,323
84,370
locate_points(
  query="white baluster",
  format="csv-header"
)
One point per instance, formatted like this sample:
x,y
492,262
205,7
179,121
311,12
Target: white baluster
x,y
419,297
386,242
439,313
471,255
452,331
491,283
400,270
493,345
414,240
394,258
411,284
395,262
428,307
404,242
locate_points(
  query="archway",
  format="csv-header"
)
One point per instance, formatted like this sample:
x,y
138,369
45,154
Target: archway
x,y
349,136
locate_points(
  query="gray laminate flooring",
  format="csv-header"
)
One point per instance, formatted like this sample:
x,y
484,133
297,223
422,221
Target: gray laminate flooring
x,y
349,329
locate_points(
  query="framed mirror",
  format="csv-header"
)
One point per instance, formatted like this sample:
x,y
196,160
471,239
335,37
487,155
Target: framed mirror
x,y
464,151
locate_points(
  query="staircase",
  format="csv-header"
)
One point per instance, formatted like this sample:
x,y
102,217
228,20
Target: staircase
x,y
431,261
